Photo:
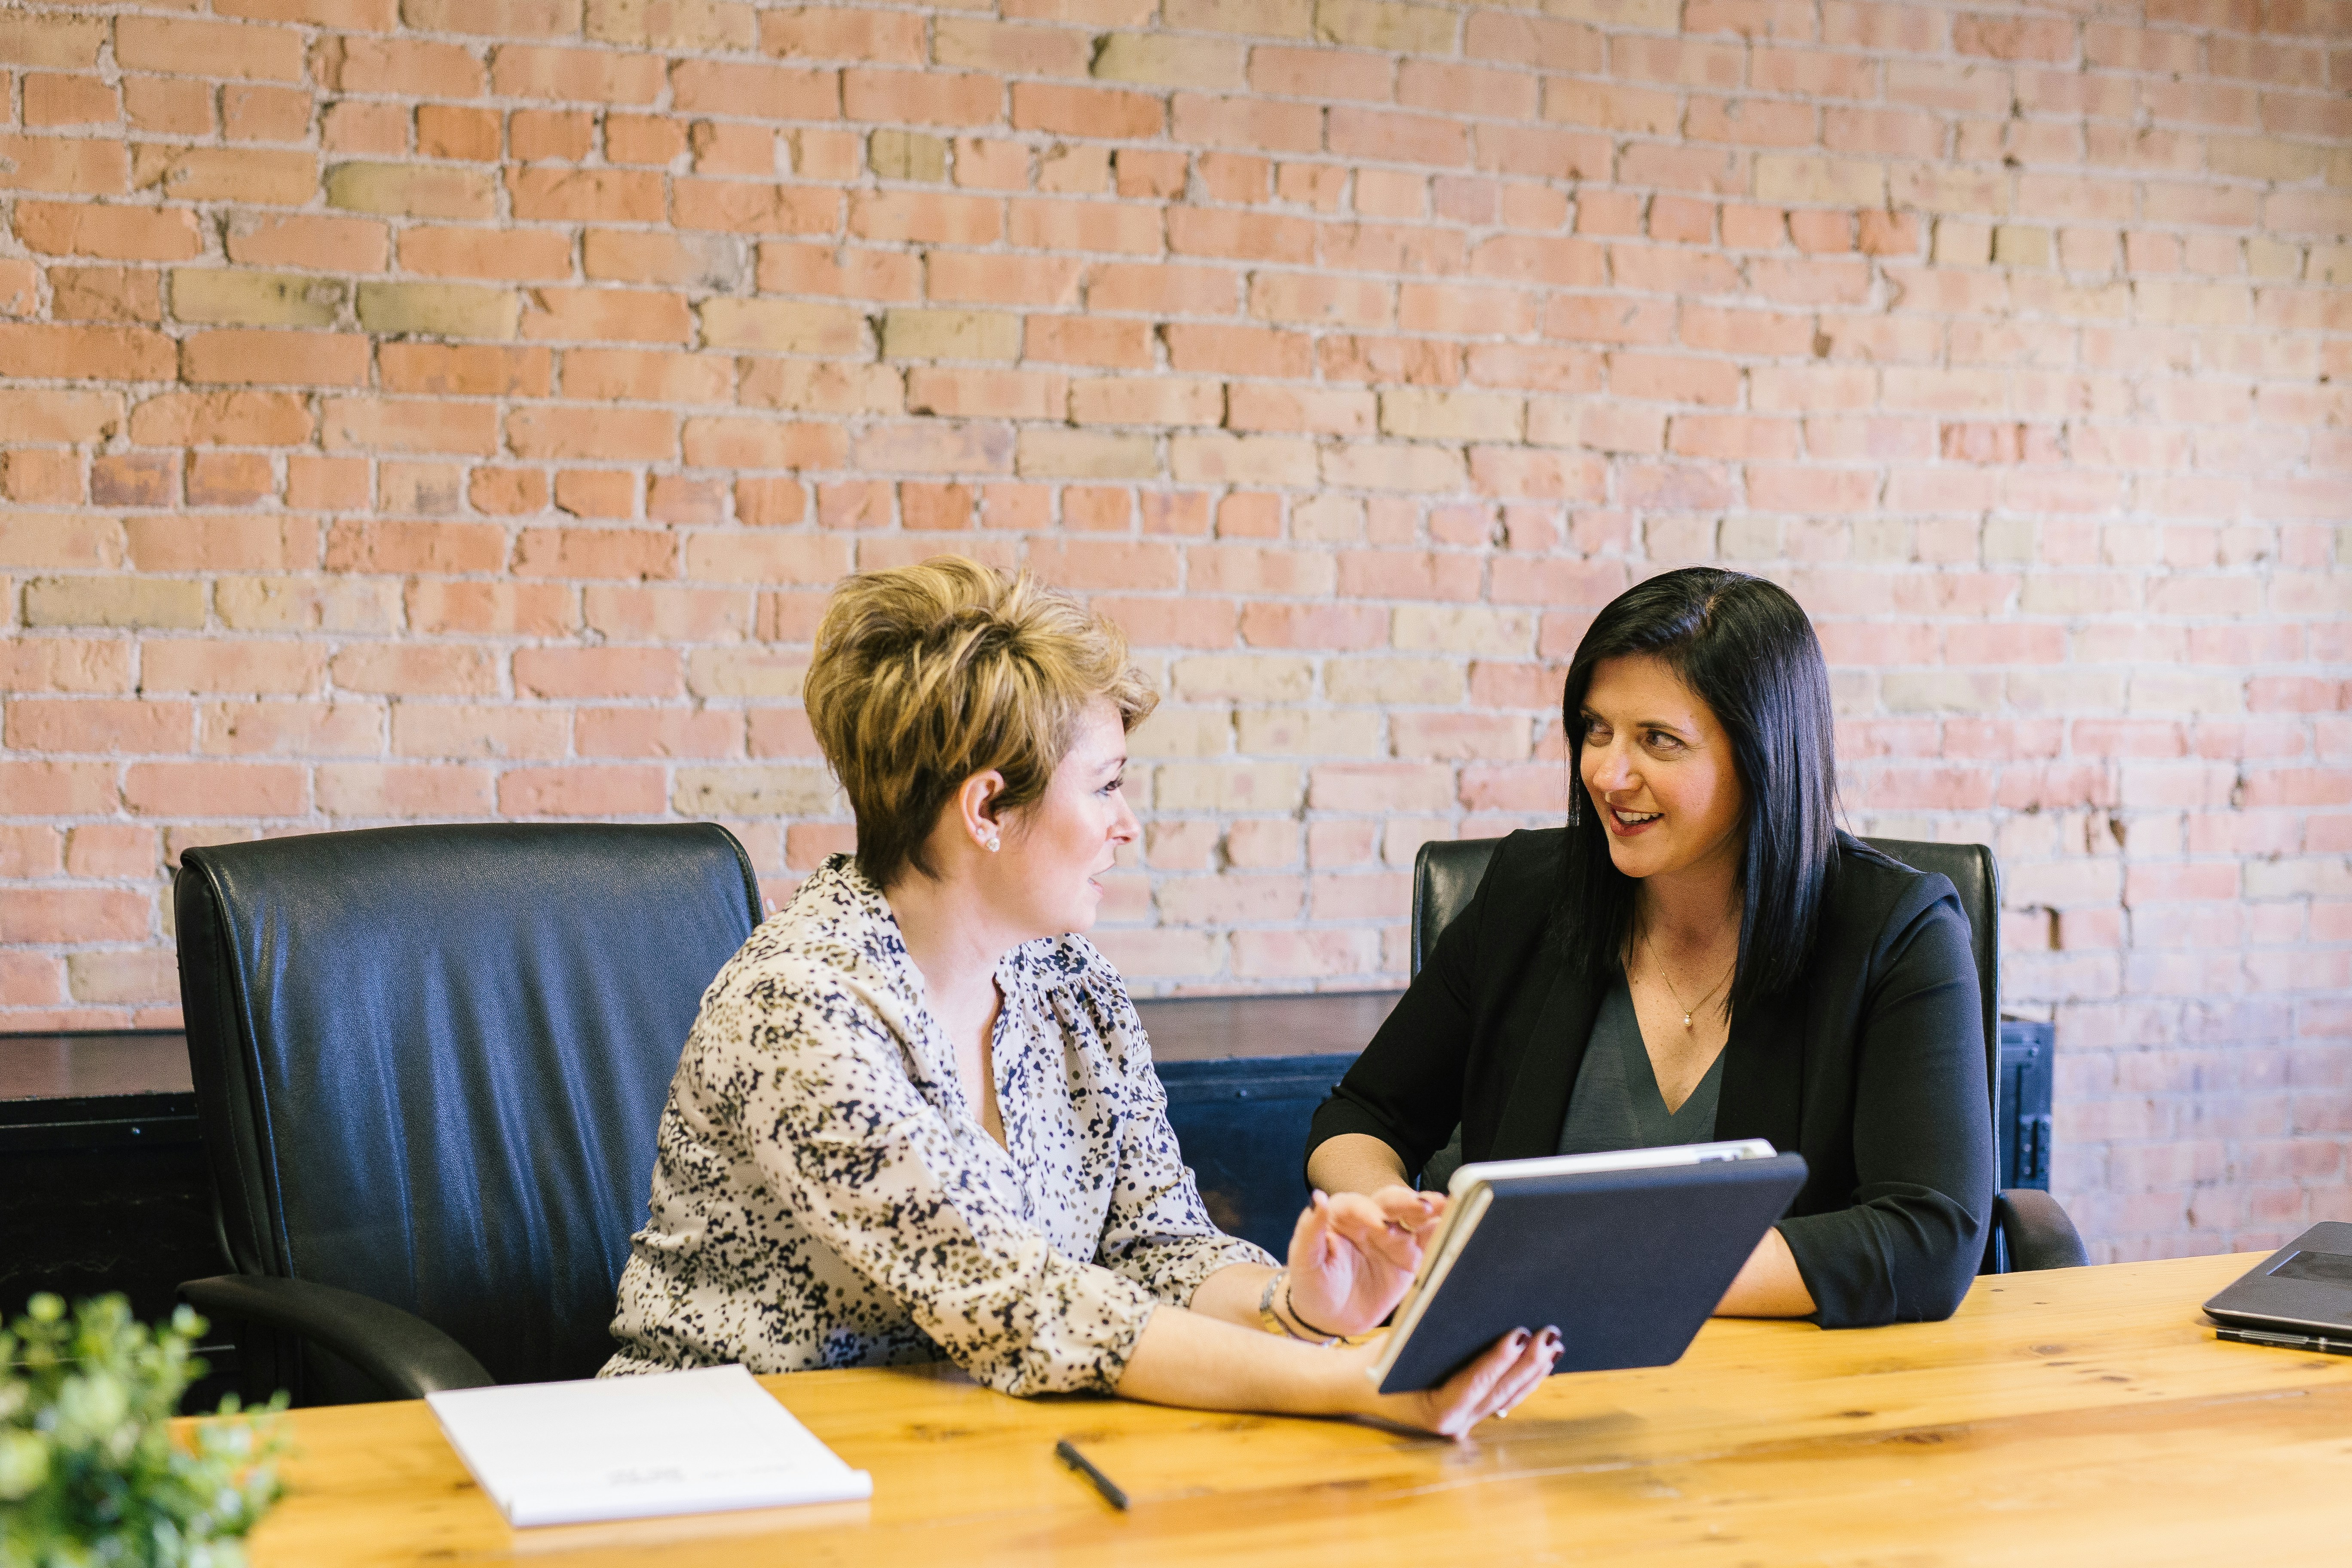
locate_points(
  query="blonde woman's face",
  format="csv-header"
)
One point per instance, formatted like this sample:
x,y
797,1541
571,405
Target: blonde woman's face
x,y
1055,849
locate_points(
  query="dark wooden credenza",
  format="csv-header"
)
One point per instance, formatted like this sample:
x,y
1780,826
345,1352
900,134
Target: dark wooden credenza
x,y
103,1184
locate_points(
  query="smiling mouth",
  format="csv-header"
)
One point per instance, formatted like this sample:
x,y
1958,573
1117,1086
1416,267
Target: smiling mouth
x,y
1634,818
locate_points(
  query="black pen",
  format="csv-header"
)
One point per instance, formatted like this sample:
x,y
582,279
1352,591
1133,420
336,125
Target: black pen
x,y
1067,1452
2286,1341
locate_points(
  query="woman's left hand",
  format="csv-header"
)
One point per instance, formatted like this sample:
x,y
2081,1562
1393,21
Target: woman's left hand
x,y
1352,1256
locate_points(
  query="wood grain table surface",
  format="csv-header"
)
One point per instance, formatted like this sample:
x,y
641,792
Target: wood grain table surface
x,y
2085,1416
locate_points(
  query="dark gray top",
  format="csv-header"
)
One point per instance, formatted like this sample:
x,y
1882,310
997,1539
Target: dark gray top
x,y
1616,1103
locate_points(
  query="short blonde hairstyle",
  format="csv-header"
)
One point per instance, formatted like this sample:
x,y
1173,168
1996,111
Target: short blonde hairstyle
x,y
925,675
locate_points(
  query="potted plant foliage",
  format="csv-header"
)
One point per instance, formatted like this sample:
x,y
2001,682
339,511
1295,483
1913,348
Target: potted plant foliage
x,y
91,1475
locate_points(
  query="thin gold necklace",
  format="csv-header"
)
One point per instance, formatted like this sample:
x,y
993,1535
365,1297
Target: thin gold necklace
x,y
1668,980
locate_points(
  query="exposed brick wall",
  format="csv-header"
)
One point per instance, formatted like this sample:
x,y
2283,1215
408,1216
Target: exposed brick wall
x,y
450,408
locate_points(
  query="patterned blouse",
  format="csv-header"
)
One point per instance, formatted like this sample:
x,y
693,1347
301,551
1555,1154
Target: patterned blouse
x,y
825,1195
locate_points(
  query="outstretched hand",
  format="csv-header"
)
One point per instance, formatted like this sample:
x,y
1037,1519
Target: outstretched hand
x,y
1354,1255
1512,1368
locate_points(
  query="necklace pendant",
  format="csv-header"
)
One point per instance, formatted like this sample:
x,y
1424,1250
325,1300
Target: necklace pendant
x,y
1686,1020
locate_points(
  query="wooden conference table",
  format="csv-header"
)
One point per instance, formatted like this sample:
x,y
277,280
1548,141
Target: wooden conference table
x,y
2081,1417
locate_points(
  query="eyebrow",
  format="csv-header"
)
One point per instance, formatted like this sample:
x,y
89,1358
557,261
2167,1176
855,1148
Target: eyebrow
x,y
1666,724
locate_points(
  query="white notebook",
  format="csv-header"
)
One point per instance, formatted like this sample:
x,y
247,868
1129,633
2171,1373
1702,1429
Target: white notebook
x,y
633,1448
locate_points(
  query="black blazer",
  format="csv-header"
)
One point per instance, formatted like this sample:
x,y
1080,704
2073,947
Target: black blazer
x,y
1873,1068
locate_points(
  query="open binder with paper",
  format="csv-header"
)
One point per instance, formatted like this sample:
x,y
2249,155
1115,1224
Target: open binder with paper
x,y
633,1448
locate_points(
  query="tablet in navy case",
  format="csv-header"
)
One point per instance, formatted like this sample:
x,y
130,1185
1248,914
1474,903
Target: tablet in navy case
x,y
1629,1263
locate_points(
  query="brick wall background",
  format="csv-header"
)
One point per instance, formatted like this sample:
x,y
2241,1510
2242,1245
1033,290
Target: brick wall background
x,y
450,408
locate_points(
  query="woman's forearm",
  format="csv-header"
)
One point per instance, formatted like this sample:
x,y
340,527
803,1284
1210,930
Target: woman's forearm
x,y
1191,1358
1355,1162
1768,1284
1231,1294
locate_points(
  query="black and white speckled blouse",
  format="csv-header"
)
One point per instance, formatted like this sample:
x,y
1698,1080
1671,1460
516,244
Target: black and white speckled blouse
x,y
825,1195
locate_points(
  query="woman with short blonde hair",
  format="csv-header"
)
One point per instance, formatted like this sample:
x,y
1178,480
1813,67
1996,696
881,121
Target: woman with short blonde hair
x,y
917,1115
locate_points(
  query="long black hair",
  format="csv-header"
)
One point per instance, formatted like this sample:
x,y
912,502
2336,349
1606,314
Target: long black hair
x,y
1745,646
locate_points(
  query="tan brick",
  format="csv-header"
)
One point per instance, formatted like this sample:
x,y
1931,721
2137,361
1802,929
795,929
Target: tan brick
x,y
56,42
440,310
773,790
697,25
1247,678
1471,629
1165,60
907,155
496,18
1386,25
782,326
1083,454
2014,245
1225,786
233,297
950,334
1452,416
113,602
1429,682
412,190
1831,182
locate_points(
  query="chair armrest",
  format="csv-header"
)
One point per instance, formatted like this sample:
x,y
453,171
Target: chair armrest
x,y
406,1355
2037,1232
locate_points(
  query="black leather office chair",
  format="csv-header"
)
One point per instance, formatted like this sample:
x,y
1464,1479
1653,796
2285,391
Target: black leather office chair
x,y
429,1062
2033,1229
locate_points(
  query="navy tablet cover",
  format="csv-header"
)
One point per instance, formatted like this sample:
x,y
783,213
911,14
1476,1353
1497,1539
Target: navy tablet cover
x,y
1628,1263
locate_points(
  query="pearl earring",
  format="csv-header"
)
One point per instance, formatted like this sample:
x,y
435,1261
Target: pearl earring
x,y
991,843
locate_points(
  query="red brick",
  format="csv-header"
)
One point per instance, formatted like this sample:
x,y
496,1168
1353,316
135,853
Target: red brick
x,y
301,359
755,91
73,915
659,732
622,552
597,672
194,664
517,255
266,542
183,790
289,729
410,424
1089,112
581,792
470,370
128,234
924,97
193,47
99,726
319,243
37,350
608,435
222,418
553,194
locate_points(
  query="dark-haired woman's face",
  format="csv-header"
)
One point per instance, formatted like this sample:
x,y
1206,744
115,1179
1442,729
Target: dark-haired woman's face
x,y
1659,766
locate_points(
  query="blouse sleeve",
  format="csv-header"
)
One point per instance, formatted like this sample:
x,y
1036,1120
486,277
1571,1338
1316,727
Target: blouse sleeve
x,y
1907,1247
1158,1232
842,1135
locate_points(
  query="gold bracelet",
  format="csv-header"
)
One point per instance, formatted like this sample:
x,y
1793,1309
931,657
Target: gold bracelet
x,y
1273,1321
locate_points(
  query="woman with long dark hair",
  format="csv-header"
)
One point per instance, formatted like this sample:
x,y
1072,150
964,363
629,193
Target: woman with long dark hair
x,y
1700,954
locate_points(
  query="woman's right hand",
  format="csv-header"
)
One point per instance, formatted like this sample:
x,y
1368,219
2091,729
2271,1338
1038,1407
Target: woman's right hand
x,y
1512,1368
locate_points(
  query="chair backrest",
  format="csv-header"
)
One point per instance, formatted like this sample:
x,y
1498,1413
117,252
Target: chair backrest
x,y
1446,874
429,1061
